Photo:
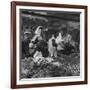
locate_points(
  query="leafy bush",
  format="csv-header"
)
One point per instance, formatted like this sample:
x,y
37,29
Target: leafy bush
x,y
58,67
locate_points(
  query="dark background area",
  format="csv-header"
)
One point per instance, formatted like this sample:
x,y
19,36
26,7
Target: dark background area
x,y
53,20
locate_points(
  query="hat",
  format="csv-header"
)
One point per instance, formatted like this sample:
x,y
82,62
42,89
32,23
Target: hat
x,y
38,29
27,32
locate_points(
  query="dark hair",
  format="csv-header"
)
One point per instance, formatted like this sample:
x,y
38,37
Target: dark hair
x,y
41,27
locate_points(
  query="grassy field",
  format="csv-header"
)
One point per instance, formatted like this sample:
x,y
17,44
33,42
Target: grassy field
x,y
51,67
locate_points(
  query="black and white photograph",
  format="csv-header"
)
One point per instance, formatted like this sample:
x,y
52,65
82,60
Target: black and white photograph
x,y
49,43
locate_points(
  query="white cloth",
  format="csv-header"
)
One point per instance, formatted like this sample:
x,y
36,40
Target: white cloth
x,y
37,56
51,48
67,38
59,40
38,30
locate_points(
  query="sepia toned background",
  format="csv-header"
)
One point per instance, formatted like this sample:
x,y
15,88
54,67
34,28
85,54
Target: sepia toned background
x,y
5,44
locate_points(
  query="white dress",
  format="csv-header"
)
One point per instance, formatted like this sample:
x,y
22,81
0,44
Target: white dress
x,y
51,48
59,41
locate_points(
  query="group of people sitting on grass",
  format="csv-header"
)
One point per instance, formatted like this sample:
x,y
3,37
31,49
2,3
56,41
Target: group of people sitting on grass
x,y
51,47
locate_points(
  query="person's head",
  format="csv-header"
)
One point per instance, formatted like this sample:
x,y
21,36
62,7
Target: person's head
x,y
38,30
26,34
53,37
61,32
